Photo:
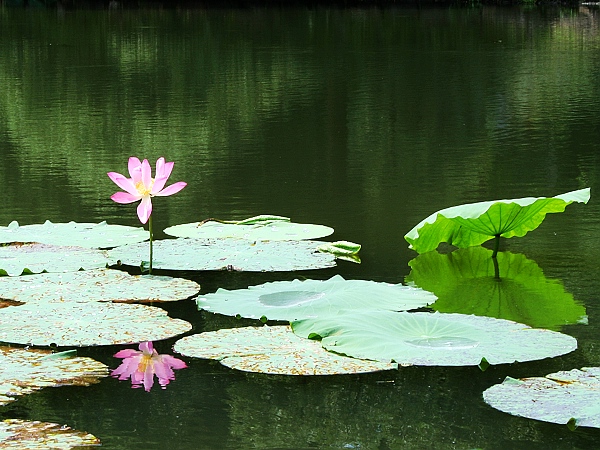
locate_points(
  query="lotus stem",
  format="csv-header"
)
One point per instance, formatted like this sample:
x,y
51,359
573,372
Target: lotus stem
x,y
496,245
151,239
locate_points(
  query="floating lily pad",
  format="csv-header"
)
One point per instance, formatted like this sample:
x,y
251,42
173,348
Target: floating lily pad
x,y
103,285
86,324
227,254
571,397
89,235
22,434
25,371
16,259
474,223
274,350
259,228
294,300
434,339
509,286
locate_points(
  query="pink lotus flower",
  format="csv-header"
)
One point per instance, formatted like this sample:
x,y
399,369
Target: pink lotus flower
x,y
141,185
142,365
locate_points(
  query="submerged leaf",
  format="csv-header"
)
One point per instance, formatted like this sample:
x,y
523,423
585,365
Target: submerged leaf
x,y
274,350
259,228
227,254
434,339
571,398
86,324
294,300
25,371
21,434
104,285
509,287
36,258
88,235
474,223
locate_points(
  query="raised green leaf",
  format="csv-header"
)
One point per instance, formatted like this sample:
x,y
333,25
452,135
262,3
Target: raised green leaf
x,y
473,224
86,324
571,397
293,300
227,254
509,287
340,248
89,235
259,228
274,350
25,371
17,259
434,339
21,434
104,285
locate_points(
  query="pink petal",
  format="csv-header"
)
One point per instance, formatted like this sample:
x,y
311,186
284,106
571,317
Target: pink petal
x,y
124,197
144,209
164,169
123,182
173,189
173,362
134,165
126,353
146,175
159,183
147,348
148,377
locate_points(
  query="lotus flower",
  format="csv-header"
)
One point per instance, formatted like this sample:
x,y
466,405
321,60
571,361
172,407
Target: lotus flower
x,y
141,366
141,185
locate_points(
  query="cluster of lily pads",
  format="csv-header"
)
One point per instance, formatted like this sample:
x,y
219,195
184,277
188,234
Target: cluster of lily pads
x,y
73,293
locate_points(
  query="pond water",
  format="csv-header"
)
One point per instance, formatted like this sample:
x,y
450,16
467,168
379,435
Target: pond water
x,y
365,120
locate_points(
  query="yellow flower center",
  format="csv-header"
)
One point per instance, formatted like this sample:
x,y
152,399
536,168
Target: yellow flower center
x,y
144,363
142,189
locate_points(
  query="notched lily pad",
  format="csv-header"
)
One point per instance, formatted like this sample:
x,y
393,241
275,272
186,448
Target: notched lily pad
x,y
22,434
273,350
102,285
227,254
259,228
87,324
88,235
294,300
25,371
18,259
570,398
434,339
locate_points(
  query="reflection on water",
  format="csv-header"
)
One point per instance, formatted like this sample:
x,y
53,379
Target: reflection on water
x,y
365,120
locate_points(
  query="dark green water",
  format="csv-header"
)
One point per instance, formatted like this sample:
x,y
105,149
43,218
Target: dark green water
x,y
366,120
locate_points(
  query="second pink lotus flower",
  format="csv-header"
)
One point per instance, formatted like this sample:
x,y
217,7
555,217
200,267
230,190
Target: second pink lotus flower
x,y
141,185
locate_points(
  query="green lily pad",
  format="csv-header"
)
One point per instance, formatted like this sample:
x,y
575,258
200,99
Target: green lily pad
x,y
259,228
25,371
474,223
227,254
294,300
571,397
18,259
86,324
21,434
509,286
273,350
88,235
434,339
102,285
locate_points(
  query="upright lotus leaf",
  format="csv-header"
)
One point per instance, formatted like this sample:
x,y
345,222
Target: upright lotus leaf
x,y
474,223
260,228
101,285
294,300
21,434
86,324
88,235
23,371
17,259
274,350
434,339
571,397
228,254
509,287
